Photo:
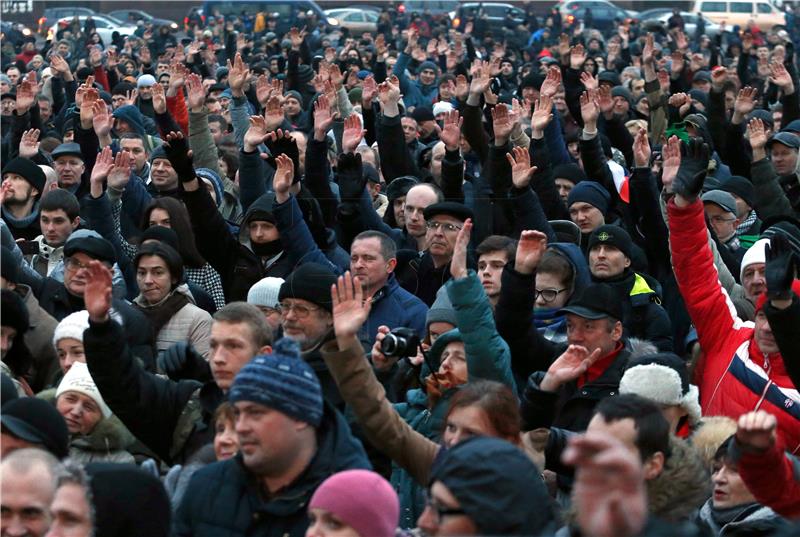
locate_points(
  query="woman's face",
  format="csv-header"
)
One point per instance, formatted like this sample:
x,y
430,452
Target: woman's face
x,y
729,488
69,351
226,443
223,167
465,422
454,362
323,523
550,286
80,412
153,278
159,217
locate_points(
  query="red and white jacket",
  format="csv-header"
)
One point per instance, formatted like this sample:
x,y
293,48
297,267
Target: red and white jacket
x,y
734,376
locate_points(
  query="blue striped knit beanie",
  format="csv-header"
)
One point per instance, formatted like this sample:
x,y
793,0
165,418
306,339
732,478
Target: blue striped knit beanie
x,y
282,381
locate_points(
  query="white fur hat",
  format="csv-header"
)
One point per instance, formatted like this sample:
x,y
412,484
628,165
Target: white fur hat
x,y
662,378
79,380
72,326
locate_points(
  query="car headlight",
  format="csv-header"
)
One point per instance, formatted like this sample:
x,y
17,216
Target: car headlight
x,y
333,22
26,31
173,25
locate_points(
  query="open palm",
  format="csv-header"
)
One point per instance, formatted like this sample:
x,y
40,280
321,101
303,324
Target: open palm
x,y
350,310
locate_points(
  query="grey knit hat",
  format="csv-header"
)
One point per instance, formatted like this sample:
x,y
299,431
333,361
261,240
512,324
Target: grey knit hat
x,y
442,309
265,292
282,381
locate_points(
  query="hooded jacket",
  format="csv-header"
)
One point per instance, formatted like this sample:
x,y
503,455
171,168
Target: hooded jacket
x,y
677,493
734,376
238,266
754,520
225,498
548,321
415,93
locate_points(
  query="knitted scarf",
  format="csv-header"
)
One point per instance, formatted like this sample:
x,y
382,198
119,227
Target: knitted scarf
x,y
161,313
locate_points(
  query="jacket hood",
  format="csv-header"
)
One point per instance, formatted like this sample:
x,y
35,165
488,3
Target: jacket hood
x,y
761,521
132,116
435,354
709,435
683,485
263,205
579,266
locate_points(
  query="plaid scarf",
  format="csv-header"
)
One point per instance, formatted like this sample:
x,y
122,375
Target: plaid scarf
x,y
746,223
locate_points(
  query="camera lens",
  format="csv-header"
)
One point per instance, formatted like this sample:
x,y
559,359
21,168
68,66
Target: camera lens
x,y
389,345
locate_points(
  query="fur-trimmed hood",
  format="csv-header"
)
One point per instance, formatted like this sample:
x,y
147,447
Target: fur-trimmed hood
x,y
709,435
761,521
682,487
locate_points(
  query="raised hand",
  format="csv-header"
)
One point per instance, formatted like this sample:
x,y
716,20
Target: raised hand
x,y
179,155
350,307
781,77
144,55
480,80
758,135
159,99
369,88
502,124
575,361
745,102
273,114
577,57
26,93
353,133
641,149
59,64
530,248
297,37
381,48
196,93
255,134
681,101
681,41
563,47
323,118
589,82
29,143
590,108
763,68
238,75
663,81
462,88
670,162
551,82
648,50
757,430
781,268
542,115
263,90
693,169
102,121
336,76
120,174
605,101
450,134
521,170
458,265
131,96
718,78
678,62
102,166
97,292
284,174
389,91
350,175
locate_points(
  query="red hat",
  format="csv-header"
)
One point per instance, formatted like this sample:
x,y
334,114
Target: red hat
x,y
545,52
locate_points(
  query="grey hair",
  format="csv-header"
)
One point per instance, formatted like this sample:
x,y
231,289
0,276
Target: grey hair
x,y
640,347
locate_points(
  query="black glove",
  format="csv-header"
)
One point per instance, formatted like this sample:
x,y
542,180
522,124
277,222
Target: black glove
x,y
177,151
287,146
693,169
350,176
181,361
781,268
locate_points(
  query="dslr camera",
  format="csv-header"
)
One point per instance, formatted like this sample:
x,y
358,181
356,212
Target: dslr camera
x,y
401,343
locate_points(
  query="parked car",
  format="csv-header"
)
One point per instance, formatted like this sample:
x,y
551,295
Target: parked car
x,y
660,24
740,13
356,20
53,14
105,25
131,16
495,14
14,32
650,14
436,9
605,15
285,10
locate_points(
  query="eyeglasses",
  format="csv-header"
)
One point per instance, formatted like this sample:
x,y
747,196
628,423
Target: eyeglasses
x,y
721,219
439,510
300,311
74,265
548,295
448,228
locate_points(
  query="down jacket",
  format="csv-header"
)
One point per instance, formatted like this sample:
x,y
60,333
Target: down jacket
x,y
734,375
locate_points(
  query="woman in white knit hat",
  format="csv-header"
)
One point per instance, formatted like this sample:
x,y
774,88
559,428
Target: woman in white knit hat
x,y
95,435
68,340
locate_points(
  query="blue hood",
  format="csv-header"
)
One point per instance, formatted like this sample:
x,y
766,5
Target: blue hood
x,y
576,258
132,116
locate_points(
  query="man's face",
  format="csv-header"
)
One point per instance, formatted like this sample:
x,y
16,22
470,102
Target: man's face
x,y
426,128
268,439
63,48
13,75
440,240
437,157
783,158
70,168
292,106
368,264
163,174
530,94
217,130
444,92
399,214
417,199
302,142
433,524
637,87
426,76
606,261
587,217
69,136
262,232
21,190
702,85
56,226
564,187
763,334
490,270
25,501
45,109
621,105
8,106
75,273
593,333
71,512
623,430
162,67
117,101
232,345
146,93
409,129
754,281
136,148
723,222
506,68
304,322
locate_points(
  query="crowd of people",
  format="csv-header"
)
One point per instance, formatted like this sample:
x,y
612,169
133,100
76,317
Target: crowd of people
x,y
535,279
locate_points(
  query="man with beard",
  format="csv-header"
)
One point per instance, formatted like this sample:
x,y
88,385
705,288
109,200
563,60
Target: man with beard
x,y
23,183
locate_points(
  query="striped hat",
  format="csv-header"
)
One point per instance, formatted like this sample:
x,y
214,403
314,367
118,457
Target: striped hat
x,y
282,381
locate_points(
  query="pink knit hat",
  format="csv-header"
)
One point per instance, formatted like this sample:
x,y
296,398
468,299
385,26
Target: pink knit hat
x,y
361,499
